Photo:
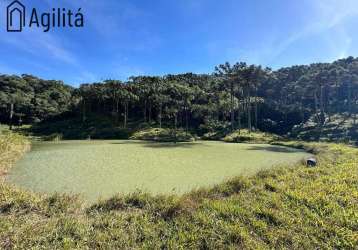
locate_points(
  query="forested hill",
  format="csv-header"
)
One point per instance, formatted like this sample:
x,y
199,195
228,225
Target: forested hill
x,y
32,99
232,97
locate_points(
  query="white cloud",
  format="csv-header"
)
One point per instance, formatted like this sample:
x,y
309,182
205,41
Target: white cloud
x,y
329,15
326,19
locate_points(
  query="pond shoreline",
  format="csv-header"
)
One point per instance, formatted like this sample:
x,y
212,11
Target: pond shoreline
x,y
95,168
244,211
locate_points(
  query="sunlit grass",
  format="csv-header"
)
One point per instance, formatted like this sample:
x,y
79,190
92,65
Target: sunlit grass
x,y
12,147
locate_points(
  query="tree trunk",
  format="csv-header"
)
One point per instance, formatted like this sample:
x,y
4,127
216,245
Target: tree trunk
x,y
11,115
350,99
256,113
186,121
175,127
327,104
232,107
302,112
239,116
117,111
125,114
150,112
256,109
83,110
322,108
249,121
249,117
160,115
316,103
145,111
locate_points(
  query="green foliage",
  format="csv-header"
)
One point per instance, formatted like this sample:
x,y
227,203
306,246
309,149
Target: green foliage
x,y
245,135
34,99
338,128
237,96
95,127
162,135
214,130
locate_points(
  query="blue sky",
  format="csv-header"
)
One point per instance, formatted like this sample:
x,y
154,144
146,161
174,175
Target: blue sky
x,y
135,37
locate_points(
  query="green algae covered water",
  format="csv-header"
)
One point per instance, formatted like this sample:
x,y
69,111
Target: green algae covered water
x,y
100,169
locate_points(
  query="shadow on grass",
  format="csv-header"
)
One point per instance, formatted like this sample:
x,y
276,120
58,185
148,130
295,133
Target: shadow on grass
x,y
274,149
150,144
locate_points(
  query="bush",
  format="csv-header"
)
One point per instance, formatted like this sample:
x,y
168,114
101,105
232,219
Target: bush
x,y
213,136
162,135
53,137
254,137
214,130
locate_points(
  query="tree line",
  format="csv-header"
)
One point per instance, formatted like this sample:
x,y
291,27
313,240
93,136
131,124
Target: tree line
x,y
234,96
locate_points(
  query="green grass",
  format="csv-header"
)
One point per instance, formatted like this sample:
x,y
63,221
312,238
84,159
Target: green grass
x,y
286,208
12,147
104,168
3,128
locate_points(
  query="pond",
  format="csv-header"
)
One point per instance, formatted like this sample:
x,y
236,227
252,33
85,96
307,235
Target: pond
x,y
100,169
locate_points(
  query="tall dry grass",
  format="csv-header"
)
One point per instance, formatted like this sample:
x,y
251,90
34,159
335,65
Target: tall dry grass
x,y
12,147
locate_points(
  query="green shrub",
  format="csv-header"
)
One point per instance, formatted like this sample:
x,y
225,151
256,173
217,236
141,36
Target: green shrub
x,y
162,135
244,135
214,136
53,137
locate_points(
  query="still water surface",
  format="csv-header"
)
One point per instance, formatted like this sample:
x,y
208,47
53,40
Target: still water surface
x,y
100,169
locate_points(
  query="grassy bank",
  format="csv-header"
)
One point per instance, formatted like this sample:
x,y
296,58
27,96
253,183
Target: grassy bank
x,y
290,207
12,147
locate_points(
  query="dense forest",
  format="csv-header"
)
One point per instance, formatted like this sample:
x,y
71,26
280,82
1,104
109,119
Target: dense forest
x,y
232,97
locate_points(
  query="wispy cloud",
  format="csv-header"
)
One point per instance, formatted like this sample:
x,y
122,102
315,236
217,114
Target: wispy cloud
x,y
329,14
326,19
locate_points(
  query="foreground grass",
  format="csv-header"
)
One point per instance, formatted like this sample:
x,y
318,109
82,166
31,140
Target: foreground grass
x,y
293,208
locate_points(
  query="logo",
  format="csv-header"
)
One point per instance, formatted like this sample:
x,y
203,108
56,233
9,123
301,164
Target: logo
x,y
55,18
15,16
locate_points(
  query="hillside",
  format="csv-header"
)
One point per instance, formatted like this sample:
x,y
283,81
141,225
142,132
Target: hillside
x,y
338,128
